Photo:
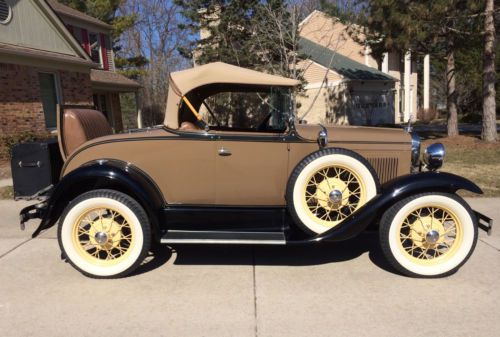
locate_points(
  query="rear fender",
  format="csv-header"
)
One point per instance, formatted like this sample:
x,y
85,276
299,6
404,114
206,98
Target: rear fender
x,y
392,192
105,174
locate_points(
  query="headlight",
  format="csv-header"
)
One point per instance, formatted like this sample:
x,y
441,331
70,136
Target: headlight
x,y
434,156
415,149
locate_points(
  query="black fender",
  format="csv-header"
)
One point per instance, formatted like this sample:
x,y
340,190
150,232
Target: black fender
x,y
105,174
391,192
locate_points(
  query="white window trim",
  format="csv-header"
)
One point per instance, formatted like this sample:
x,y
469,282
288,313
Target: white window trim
x,y
101,62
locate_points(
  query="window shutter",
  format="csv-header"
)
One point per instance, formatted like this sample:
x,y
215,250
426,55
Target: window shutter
x,y
104,52
85,39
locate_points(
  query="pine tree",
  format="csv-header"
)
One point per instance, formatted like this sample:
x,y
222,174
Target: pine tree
x,y
262,35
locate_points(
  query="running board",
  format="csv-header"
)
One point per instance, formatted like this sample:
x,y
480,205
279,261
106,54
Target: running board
x,y
219,237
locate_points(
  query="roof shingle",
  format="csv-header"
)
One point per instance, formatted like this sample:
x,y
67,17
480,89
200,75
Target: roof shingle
x,y
112,79
341,64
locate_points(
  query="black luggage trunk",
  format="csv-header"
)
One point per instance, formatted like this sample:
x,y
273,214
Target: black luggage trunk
x,y
35,166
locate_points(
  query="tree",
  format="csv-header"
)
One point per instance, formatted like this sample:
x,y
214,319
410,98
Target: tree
x,y
440,28
489,131
262,35
156,35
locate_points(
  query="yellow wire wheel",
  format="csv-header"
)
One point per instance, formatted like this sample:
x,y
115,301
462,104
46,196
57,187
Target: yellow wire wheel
x,y
327,187
104,234
332,194
430,234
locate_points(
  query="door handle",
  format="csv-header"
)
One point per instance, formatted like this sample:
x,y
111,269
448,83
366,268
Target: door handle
x,y
224,152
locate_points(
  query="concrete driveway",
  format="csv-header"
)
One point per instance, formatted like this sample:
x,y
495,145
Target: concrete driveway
x,y
341,289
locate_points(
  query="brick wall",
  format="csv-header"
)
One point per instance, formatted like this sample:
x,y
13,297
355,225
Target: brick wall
x,y
21,108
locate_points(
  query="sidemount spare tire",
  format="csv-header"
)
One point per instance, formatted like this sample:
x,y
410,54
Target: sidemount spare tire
x,y
327,186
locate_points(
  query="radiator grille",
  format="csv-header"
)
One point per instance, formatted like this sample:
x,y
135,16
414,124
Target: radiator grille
x,y
386,168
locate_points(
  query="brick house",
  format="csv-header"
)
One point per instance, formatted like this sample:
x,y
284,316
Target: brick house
x,y
358,89
51,54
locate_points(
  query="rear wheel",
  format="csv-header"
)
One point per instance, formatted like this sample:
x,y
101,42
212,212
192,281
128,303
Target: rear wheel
x,y
328,186
430,234
104,234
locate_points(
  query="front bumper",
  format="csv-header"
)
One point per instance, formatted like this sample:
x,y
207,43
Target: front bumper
x,y
484,222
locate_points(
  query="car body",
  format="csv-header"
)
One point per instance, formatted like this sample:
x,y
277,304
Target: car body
x,y
247,173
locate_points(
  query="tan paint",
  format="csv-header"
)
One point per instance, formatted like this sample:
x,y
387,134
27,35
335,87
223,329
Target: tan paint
x,y
190,171
255,173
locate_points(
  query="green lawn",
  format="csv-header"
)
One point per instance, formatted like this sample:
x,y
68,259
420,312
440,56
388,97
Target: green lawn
x,y
472,159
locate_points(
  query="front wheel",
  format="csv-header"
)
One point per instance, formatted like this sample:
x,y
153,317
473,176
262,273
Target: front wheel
x,y
328,186
104,234
429,234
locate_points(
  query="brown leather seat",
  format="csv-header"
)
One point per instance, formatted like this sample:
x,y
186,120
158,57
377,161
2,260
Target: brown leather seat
x,y
82,125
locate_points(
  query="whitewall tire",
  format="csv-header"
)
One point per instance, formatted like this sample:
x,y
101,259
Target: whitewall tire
x,y
104,234
429,234
327,186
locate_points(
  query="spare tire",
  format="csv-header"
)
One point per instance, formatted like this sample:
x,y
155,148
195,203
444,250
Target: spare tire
x,y
327,186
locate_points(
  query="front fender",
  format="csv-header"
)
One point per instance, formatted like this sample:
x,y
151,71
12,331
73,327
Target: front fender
x,y
392,192
104,174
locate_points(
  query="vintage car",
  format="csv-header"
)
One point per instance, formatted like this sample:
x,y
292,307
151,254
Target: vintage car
x,y
231,165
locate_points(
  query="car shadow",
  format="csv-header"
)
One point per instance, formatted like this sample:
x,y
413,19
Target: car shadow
x,y
261,255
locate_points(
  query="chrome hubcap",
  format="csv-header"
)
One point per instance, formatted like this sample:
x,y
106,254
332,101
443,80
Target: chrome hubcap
x,y
335,196
101,238
432,236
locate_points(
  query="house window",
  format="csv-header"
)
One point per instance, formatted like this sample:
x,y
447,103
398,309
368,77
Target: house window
x,y
49,97
95,48
5,12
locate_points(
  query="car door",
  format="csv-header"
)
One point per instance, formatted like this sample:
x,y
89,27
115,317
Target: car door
x,y
187,168
250,168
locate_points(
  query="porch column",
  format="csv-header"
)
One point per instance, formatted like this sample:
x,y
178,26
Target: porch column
x,y
426,81
385,63
407,87
139,111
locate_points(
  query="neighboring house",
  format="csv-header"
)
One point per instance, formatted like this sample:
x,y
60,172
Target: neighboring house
x,y
51,54
358,90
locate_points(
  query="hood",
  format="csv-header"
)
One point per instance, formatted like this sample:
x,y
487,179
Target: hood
x,y
355,134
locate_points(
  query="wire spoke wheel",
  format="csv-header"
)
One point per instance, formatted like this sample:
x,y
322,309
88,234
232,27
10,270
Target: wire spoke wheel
x,y
430,234
104,233
103,236
328,186
332,193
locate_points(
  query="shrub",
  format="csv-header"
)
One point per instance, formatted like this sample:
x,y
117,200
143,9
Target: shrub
x,y
427,115
7,142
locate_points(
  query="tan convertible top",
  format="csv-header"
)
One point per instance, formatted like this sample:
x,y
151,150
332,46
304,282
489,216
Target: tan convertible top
x,y
184,81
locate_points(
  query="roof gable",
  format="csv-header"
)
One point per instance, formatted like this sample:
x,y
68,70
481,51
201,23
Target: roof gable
x,y
35,26
341,64
67,11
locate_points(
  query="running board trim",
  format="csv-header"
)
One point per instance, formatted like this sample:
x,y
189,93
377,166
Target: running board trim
x,y
223,237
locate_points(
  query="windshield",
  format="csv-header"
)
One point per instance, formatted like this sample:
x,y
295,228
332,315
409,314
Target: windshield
x,y
243,109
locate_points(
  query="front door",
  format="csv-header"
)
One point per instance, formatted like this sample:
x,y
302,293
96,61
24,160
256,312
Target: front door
x,y
251,170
